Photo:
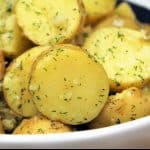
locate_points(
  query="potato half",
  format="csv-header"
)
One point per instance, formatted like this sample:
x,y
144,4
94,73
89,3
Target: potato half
x,y
129,105
97,9
41,125
51,21
123,16
15,84
68,86
125,55
12,40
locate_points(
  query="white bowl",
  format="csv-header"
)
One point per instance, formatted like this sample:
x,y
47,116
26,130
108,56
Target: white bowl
x,y
135,134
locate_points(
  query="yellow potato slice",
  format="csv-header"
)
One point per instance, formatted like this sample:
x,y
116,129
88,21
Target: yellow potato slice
x,y
124,54
15,84
97,9
51,21
73,87
129,105
41,125
12,40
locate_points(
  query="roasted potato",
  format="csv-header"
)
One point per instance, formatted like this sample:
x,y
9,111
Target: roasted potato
x,y
129,105
50,22
123,16
68,86
41,125
12,40
124,54
1,128
97,9
15,84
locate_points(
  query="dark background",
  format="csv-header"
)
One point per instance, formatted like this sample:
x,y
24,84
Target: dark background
x,y
143,14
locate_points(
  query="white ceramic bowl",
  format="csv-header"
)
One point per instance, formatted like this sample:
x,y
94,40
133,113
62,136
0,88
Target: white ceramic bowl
x,y
135,134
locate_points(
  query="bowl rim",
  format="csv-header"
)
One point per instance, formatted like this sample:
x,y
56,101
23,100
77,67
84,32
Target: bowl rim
x,y
77,135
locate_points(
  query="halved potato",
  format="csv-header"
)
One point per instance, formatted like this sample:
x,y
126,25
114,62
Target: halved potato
x,y
123,16
119,21
51,21
129,105
12,40
125,55
125,10
41,125
73,87
15,84
97,9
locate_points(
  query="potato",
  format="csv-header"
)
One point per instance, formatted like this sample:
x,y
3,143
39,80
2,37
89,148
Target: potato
x,y
118,21
41,125
97,9
68,86
15,84
124,54
1,128
129,105
12,40
125,10
49,22
123,16
2,65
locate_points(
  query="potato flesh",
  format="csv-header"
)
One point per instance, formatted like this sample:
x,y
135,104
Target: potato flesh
x,y
49,22
97,9
12,41
41,125
124,54
15,85
73,87
127,106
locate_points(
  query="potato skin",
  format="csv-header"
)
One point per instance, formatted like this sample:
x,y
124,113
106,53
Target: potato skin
x,y
97,9
41,125
129,105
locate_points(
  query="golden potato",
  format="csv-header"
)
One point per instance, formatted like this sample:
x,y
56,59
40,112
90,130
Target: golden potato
x,y
73,87
124,54
41,125
12,40
50,22
129,105
97,9
15,84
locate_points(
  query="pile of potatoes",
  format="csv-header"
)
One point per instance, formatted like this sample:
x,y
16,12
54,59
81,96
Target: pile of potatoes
x,y
73,62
